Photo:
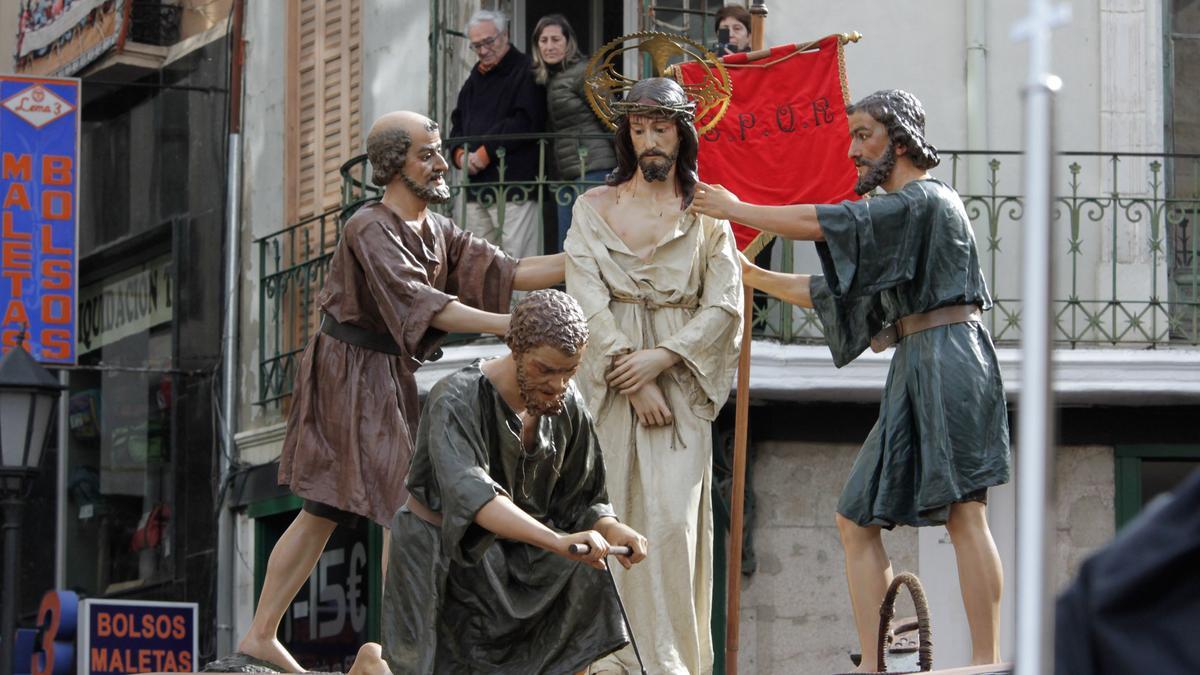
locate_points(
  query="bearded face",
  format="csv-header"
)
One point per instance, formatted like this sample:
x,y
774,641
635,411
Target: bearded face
x,y
424,169
543,377
656,142
871,150
656,164
873,173
434,191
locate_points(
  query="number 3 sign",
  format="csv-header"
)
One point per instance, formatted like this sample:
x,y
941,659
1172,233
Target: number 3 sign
x,y
53,650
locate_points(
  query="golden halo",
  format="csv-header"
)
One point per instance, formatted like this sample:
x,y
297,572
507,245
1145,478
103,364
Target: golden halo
x,y
605,86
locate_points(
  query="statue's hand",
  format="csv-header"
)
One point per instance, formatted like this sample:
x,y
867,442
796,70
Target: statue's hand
x,y
650,406
715,201
620,534
594,543
635,369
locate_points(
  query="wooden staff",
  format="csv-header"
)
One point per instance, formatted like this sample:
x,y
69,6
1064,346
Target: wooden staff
x,y
738,496
758,15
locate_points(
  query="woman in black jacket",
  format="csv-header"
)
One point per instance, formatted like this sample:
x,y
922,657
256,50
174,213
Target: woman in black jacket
x,y
558,64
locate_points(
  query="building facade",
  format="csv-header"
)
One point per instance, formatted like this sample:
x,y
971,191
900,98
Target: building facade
x,y
141,444
1126,358
124,506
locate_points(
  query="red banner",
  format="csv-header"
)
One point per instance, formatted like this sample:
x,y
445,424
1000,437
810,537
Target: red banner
x,y
784,137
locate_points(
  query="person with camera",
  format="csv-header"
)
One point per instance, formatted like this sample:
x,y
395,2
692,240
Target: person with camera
x,y
733,30
559,64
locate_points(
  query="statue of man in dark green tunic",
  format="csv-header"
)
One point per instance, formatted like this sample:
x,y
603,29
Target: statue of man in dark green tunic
x,y
480,578
902,268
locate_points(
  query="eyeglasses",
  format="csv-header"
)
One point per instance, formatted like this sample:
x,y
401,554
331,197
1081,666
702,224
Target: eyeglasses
x,y
485,44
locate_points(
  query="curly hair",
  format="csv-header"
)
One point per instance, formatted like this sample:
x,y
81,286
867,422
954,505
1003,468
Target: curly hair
x,y
547,318
387,147
903,116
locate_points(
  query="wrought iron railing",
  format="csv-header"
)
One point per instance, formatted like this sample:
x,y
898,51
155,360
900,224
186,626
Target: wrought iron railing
x,y
546,188
1126,266
154,23
1127,269
292,265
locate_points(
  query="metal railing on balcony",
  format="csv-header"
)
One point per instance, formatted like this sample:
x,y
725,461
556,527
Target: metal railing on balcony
x,y
154,23
292,265
543,188
1127,269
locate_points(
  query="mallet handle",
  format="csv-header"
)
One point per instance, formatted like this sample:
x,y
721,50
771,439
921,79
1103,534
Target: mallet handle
x,y
581,549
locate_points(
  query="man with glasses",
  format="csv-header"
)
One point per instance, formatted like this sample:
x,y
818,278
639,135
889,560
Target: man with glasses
x,y
499,97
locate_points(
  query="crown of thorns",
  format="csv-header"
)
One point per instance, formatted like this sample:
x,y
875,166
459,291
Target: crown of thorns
x,y
686,111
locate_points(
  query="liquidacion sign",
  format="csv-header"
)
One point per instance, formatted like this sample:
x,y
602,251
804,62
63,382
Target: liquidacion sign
x,y
39,179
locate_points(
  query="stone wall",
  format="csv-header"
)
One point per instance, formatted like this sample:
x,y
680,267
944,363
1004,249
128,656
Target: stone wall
x,y
795,610
1086,511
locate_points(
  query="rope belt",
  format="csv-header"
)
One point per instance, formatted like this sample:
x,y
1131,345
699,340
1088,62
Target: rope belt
x,y
652,304
915,323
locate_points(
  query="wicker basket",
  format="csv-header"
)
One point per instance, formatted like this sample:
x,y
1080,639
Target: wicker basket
x,y
887,611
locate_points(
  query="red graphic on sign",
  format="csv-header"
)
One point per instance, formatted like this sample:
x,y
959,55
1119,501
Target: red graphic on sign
x,y
37,105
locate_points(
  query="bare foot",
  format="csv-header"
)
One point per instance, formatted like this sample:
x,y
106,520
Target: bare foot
x,y
369,661
270,650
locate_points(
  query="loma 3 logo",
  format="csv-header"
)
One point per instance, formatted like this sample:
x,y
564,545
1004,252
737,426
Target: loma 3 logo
x,y
38,105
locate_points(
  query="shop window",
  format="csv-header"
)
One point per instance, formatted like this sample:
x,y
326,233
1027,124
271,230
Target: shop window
x,y
1144,472
121,478
338,608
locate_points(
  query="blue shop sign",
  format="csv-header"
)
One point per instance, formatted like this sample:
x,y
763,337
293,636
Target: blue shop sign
x,y
39,230
130,636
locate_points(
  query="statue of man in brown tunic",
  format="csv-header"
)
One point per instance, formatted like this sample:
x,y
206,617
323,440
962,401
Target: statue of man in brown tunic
x,y
401,278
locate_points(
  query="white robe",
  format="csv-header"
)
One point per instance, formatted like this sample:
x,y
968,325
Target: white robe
x,y
687,297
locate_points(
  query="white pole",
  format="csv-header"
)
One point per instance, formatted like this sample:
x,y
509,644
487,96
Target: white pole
x,y
1035,441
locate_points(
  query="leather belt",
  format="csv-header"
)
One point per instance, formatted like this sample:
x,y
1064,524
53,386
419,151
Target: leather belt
x,y
423,512
915,323
359,337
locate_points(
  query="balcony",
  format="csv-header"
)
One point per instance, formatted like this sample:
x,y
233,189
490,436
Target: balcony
x,y
1127,269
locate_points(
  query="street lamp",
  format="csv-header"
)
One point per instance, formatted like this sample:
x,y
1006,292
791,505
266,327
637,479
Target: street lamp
x,y
27,396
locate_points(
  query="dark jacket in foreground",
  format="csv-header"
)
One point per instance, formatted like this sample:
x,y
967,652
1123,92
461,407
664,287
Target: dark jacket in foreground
x,y
1135,606
459,600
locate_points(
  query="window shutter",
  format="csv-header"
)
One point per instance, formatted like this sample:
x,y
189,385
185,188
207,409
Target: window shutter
x,y
323,130
325,85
